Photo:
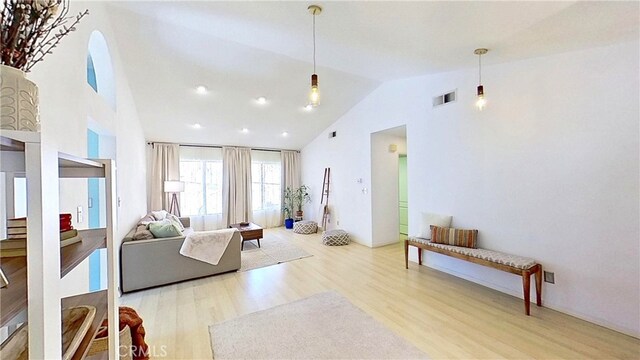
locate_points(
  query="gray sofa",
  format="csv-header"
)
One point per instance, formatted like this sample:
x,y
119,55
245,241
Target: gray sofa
x,y
155,262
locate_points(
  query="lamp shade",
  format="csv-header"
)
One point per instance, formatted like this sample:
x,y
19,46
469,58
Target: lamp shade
x,y
173,186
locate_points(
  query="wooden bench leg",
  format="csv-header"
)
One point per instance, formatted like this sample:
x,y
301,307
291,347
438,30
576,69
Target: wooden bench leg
x,y
539,285
526,287
406,254
419,256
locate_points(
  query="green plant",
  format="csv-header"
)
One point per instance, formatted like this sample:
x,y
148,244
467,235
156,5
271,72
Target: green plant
x,y
287,206
301,196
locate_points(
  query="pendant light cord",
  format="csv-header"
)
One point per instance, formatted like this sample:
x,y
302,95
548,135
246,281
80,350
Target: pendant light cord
x,y
479,69
314,42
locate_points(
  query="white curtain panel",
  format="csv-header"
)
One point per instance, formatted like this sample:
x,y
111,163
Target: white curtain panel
x,y
268,218
165,166
207,222
290,173
236,185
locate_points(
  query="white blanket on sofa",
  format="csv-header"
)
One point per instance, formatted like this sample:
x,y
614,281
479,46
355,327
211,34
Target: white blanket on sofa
x,y
207,246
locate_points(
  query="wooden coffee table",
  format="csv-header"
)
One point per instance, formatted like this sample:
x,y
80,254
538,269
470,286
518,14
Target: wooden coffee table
x,y
248,232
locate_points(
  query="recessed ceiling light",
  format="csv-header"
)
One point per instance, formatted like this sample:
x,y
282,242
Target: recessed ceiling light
x,y
196,126
285,133
309,107
245,130
201,89
261,100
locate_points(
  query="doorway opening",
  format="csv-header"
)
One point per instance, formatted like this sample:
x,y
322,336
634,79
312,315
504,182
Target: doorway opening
x,y
389,191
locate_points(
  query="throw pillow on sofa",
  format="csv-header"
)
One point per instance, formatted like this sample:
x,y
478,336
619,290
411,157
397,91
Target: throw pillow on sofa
x,y
429,219
176,220
455,237
142,233
164,229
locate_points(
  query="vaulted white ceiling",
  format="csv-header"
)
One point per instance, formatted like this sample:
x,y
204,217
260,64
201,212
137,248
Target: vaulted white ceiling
x,y
243,50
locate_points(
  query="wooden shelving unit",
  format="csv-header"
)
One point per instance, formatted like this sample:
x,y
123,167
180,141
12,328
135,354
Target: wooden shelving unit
x,y
13,299
97,299
74,254
38,275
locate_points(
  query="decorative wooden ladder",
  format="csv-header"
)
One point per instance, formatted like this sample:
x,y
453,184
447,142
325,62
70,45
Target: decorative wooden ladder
x,y
324,199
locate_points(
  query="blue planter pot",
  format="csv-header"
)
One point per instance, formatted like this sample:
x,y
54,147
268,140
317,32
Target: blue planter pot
x,y
288,223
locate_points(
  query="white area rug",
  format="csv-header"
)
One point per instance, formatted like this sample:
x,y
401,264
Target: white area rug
x,y
323,326
272,251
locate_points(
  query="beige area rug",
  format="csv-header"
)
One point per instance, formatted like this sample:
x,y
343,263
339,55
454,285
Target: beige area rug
x,y
272,251
323,326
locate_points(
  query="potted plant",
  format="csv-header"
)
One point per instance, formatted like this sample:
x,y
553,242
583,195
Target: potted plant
x,y
30,31
287,207
300,197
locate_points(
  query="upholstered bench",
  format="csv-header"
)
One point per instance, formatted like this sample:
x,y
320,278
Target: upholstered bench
x,y
514,264
305,227
335,237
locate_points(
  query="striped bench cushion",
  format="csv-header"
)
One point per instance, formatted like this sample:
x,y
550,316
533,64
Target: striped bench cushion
x,y
497,257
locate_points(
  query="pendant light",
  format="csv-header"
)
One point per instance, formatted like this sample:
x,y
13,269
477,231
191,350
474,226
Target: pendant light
x,y
480,102
314,96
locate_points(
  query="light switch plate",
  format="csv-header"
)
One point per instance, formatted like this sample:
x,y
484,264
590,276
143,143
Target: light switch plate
x,y
80,213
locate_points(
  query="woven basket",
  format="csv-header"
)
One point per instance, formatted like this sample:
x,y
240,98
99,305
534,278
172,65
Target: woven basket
x,y
99,345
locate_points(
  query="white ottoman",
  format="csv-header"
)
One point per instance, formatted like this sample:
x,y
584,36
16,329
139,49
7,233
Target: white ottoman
x,y
305,227
335,237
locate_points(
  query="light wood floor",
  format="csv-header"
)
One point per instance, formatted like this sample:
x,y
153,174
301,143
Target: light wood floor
x,y
445,316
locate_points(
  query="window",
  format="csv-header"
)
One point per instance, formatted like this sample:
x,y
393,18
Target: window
x,y
266,180
201,172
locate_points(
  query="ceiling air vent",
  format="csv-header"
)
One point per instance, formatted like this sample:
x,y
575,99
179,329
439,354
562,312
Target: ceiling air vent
x,y
333,134
444,98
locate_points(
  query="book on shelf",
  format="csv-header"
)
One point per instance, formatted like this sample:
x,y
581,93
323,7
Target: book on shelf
x,y
12,252
12,247
17,231
13,244
70,241
16,236
64,235
65,217
66,228
17,222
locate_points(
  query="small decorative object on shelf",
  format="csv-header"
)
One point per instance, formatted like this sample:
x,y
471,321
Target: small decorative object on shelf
x,y
31,29
3,279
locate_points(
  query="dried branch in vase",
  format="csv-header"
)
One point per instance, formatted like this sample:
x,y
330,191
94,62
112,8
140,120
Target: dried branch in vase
x,y
31,29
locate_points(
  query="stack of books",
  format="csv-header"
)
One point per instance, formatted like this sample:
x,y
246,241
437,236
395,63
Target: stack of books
x,y
68,235
16,242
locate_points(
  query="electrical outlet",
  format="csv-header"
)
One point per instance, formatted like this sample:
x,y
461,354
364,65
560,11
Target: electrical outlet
x,y
79,218
549,277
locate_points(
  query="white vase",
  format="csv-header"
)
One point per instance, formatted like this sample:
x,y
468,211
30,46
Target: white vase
x,y
18,101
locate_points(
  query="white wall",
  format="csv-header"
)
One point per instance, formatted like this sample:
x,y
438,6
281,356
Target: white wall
x,y
67,101
548,170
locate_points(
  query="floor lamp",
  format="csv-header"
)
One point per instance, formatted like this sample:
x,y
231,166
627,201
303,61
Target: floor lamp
x,y
174,187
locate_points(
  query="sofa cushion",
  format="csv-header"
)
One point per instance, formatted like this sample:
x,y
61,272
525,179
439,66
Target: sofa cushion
x,y
146,220
159,214
164,229
429,219
142,233
454,237
176,220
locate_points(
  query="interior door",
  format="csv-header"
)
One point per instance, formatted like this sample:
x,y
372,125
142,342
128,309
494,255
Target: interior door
x,y
403,198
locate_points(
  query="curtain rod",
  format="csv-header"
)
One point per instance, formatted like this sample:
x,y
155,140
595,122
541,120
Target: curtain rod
x,y
218,146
